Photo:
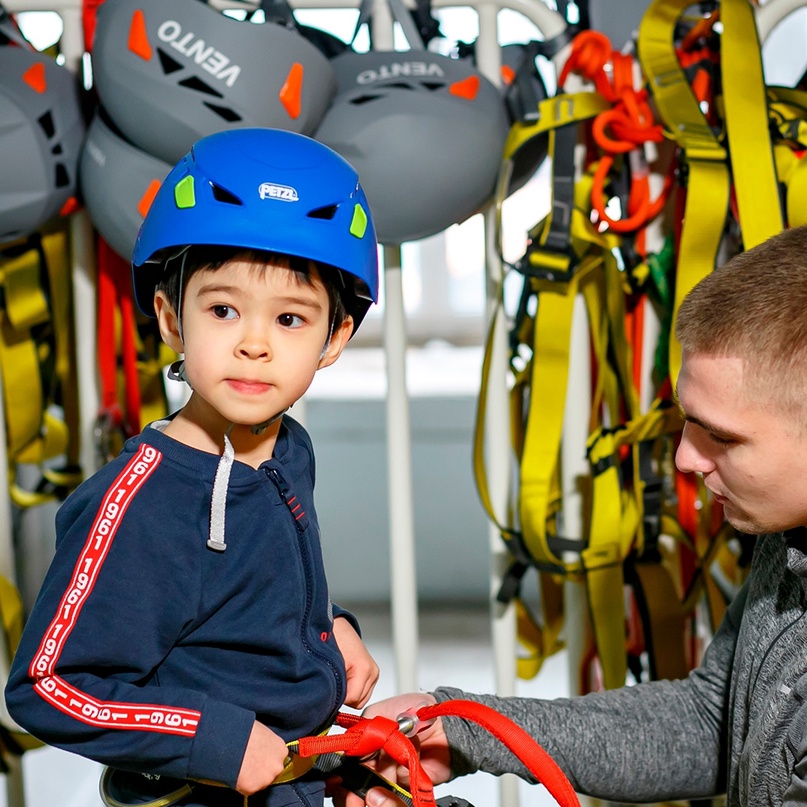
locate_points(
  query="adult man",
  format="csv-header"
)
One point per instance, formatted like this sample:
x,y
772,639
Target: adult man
x,y
738,723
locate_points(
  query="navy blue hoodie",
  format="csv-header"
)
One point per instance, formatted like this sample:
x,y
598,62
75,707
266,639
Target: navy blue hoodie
x,y
149,651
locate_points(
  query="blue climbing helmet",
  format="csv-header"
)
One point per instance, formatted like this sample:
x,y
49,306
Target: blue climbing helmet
x,y
265,189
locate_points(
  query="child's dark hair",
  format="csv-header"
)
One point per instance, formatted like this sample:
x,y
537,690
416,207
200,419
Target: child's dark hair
x,y
181,267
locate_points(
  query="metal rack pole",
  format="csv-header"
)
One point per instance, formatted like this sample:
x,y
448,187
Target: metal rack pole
x,y
399,474
403,578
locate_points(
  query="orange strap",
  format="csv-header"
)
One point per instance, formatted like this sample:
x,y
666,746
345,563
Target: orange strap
x,y
623,128
366,736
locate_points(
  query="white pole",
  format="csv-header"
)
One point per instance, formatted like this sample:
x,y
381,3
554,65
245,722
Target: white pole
x,y
15,790
574,468
403,581
399,474
497,425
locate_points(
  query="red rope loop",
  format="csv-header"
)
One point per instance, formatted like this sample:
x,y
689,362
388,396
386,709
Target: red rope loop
x,y
625,127
366,736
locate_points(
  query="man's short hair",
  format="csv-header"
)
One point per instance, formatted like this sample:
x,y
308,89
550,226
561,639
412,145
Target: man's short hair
x,y
755,308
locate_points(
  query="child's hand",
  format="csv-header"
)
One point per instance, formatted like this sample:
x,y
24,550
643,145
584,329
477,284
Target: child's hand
x,y
362,671
263,761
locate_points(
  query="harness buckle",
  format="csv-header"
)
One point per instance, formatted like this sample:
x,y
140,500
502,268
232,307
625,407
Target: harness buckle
x,y
555,266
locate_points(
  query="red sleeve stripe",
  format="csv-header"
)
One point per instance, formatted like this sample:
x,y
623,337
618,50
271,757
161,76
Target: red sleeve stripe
x,y
92,557
54,689
144,717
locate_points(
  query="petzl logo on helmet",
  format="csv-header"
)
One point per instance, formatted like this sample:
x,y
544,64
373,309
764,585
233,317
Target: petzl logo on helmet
x,y
189,45
397,69
285,193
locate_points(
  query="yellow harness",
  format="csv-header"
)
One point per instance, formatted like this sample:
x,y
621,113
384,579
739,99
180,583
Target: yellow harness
x,y
634,535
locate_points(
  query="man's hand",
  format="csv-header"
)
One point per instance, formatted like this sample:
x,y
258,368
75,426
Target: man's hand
x,y
430,740
362,671
263,761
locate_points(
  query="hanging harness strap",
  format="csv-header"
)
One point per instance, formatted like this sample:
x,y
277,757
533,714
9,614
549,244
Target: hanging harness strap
x,y
746,115
565,256
40,392
707,174
13,739
788,109
551,261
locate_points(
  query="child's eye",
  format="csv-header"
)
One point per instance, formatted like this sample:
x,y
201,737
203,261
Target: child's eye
x,y
224,312
721,441
290,320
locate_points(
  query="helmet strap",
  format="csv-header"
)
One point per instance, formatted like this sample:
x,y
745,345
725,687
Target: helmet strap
x,y
176,372
183,255
260,428
328,340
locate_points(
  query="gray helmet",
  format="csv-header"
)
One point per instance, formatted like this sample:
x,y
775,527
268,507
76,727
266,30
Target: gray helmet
x,y
425,133
117,182
40,139
169,72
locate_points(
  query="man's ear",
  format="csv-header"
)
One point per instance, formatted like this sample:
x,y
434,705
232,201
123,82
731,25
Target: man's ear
x,y
168,322
339,338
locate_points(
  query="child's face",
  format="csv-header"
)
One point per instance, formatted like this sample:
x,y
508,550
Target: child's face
x,y
254,337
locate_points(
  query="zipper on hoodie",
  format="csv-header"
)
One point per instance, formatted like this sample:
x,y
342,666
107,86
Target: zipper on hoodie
x,y
301,523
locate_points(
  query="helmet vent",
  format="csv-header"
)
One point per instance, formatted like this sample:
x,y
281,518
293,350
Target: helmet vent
x,y
224,112
194,83
62,177
223,195
364,99
434,85
48,127
327,212
168,63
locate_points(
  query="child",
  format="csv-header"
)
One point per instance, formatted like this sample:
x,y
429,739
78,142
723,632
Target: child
x,y
184,629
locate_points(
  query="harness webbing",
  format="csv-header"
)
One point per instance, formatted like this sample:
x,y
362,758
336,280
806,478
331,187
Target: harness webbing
x,y
747,127
705,158
686,111
37,360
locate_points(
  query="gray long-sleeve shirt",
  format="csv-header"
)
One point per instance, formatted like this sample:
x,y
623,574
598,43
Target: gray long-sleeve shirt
x,y
737,724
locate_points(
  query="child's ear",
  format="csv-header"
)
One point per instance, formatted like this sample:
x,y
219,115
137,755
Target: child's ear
x,y
334,348
168,322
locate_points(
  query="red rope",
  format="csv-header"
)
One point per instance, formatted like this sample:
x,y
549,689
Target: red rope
x,y
528,751
625,127
366,736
